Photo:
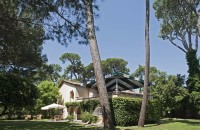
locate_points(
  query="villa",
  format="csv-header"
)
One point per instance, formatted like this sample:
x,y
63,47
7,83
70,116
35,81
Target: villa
x,y
117,86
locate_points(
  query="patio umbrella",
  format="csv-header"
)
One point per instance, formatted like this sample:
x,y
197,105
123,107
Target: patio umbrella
x,y
53,106
97,111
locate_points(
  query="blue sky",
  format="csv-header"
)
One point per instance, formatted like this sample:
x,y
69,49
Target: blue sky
x,y
121,35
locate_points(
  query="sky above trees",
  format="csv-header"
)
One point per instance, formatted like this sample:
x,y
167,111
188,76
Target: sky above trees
x,y
121,35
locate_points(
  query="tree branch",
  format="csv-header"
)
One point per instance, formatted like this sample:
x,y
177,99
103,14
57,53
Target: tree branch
x,y
196,40
177,46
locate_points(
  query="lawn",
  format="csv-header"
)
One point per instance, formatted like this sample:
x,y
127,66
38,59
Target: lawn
x,y
175,124
169,124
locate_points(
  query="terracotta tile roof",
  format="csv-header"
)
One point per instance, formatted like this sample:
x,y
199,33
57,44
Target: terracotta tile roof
x,y
70,82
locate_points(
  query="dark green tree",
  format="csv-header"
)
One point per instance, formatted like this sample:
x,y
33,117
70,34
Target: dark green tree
x,y
17,93
75,68
48,94
74,20
107,67
179,21
194,71
20,40
49,72
118,63
168,90
154,73
170,93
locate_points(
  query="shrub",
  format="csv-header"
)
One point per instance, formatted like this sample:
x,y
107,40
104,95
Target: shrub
x,y
86,116
127,110
153,112
89,105
74,104
70,118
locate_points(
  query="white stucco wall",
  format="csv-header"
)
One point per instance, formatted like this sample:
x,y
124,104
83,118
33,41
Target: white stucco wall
x,y
65,92
79,91
92,92
82,92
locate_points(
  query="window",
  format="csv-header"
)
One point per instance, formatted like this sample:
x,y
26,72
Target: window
x,y
72,94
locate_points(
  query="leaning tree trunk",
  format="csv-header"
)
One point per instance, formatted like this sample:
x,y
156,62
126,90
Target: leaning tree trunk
x,y
147,62
198,23
107,116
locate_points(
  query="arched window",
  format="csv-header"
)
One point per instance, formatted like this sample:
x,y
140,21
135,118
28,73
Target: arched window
x,y
72,94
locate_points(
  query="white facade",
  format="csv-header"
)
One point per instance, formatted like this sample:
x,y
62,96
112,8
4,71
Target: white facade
x,y
75,92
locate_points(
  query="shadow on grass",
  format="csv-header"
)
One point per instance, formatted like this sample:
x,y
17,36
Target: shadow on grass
x,y
41,125
185,121
190,122
171,120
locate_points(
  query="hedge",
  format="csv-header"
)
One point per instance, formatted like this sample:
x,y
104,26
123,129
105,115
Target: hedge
x,y
126,110
89,105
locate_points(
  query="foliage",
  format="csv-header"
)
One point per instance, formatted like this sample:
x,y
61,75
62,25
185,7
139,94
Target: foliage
x,y
168,94
20,39
86,116
88,72
193,84
195,98
168,90
76,67
70,118
154,73
89,105
194,71
63,20
179,21
48,94
110,63
126,111
86,105
108,67
49,72
73,104
153,114
16,92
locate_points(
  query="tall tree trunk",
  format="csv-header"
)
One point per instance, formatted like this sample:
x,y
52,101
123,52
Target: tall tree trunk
x,y
107,116
147,62
198,24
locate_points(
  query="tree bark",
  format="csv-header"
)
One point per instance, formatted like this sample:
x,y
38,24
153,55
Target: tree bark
x,y
147,63
103,96
198,22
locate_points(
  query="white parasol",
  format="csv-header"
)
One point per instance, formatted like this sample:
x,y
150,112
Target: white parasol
x,y
53,106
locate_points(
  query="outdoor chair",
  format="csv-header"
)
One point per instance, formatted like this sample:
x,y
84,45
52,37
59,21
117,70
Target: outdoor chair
x,y
39,117
27,117
56,117
34,117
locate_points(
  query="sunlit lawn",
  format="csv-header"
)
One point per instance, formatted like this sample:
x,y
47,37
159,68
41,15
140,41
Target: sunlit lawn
x,y
169,124
40,125
175,124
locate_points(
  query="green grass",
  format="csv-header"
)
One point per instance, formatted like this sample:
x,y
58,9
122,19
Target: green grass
x,y
175,124
169,124
40,125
